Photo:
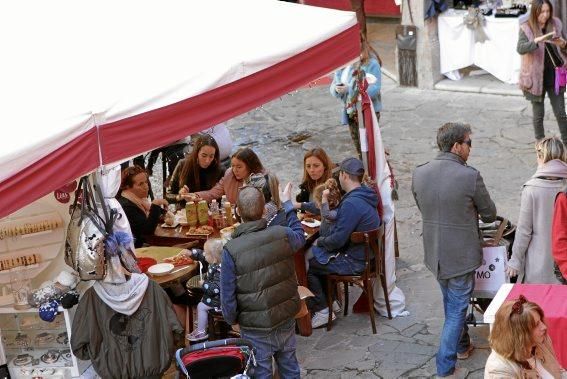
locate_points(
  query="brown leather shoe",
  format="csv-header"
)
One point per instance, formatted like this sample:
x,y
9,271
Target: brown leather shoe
x,y
467,353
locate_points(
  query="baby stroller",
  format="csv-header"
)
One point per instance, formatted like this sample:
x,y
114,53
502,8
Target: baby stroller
x,y
229,358
498,233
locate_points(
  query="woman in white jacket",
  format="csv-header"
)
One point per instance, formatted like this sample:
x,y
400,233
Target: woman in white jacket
x,y
531,259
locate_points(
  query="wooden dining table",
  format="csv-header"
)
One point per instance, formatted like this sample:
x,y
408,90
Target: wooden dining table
x,y
159,253
175,236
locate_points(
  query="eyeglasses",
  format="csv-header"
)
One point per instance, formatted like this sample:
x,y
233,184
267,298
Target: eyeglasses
x,y
468,142
518,306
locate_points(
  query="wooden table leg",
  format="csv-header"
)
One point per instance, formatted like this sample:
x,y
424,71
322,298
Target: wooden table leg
x,y
303,323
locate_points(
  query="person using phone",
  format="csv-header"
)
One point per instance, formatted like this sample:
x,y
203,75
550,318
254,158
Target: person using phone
x,y
543,48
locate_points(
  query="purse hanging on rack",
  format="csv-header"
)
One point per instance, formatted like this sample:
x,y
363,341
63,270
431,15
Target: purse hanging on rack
x,y
560,73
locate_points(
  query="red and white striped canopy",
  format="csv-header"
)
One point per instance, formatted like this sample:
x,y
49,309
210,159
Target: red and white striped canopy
x,y
86,83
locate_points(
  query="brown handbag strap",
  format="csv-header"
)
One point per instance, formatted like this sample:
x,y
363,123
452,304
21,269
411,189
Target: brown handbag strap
x,y
500,231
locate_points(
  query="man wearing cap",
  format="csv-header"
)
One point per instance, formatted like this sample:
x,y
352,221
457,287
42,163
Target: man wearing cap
x,y
335,253
451,196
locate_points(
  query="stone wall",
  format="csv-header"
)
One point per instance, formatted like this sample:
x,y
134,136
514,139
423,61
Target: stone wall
x,y
428,65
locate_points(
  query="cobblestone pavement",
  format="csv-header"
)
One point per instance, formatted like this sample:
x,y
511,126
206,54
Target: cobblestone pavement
x,y
502,151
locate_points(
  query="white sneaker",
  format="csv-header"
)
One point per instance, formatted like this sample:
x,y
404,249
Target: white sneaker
x,y
321,318
337,307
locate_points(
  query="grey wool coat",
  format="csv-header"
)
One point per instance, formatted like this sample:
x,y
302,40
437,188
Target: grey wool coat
x,y
451,196
531,253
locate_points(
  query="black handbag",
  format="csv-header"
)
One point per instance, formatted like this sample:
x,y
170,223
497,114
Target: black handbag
x,y
406,40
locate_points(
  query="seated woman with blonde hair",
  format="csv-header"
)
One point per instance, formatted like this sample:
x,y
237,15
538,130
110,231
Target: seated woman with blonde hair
x,y
520,345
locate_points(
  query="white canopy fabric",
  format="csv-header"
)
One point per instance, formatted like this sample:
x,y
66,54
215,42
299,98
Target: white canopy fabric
x,y
89,83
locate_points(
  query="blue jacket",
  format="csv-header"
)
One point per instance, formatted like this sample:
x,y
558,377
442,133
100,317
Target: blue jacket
x,y
372,67
356,213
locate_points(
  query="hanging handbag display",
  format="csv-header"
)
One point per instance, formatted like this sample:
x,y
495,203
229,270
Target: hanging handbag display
x,y
560,73
86,233
406,40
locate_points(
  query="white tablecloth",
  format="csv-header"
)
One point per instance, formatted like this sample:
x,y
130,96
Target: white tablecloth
x,y
497,55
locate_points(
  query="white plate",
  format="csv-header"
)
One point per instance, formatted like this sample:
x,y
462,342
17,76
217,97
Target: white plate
x,y
164,225
313,224
161,269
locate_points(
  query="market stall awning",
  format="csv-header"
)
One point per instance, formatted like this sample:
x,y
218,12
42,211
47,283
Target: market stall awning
x,y
84,84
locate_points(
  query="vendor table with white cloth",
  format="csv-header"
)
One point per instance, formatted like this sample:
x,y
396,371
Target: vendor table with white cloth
x,y
458,47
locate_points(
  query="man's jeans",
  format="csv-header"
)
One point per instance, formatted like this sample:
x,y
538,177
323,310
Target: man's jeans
x,y
280,344
454,337
317,278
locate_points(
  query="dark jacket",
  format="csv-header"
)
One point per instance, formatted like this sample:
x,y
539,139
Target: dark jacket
x,y
211,283
139,224
451,196
120,346
258,282
303,198
356,213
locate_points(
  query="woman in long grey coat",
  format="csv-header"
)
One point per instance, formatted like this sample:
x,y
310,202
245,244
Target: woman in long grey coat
x,y
532,260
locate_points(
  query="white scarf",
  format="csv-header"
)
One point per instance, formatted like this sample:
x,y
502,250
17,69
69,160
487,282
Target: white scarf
x,y
125,297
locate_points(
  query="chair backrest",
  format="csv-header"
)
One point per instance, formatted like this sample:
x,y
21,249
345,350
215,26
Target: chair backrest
x,y
373,248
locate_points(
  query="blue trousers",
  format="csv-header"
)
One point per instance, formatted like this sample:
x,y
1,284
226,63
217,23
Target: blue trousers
x,y
280,344
454,337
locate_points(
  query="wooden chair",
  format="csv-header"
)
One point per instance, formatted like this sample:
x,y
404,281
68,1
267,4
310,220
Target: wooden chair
x,y
374,267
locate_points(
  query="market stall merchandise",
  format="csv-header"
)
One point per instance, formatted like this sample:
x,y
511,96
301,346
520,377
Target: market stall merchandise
x,y
497,55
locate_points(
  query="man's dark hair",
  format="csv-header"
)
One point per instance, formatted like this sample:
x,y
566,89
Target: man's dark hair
x,y
451,133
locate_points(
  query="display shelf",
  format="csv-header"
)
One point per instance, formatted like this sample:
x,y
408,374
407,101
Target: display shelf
x,y
26,336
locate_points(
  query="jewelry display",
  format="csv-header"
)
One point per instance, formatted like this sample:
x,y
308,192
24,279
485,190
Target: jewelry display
x,y
62,338
23,360
25,260
29,228
22,340
66,354
44,338
51,356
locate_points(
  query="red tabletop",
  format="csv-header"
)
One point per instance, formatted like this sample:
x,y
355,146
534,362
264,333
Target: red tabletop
x,y
552,298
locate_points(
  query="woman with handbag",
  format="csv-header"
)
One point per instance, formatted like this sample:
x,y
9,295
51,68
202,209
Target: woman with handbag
x,y
532,260
544,55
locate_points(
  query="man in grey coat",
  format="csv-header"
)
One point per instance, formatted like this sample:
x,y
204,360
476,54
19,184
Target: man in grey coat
x,y
451,196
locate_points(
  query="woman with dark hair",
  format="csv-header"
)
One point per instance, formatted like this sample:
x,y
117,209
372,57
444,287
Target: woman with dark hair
x,y
243,163
520,345
201,170
317,168
543,48
133,196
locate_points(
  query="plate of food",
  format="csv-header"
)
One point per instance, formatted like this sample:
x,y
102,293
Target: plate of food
x,y
311,222
161,269
181,259
203,230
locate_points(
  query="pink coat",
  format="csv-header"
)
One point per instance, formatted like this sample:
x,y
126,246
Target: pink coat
x,y
531,72
228,185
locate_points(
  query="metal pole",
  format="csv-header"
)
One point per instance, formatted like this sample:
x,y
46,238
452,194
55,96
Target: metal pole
x,y
362,135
